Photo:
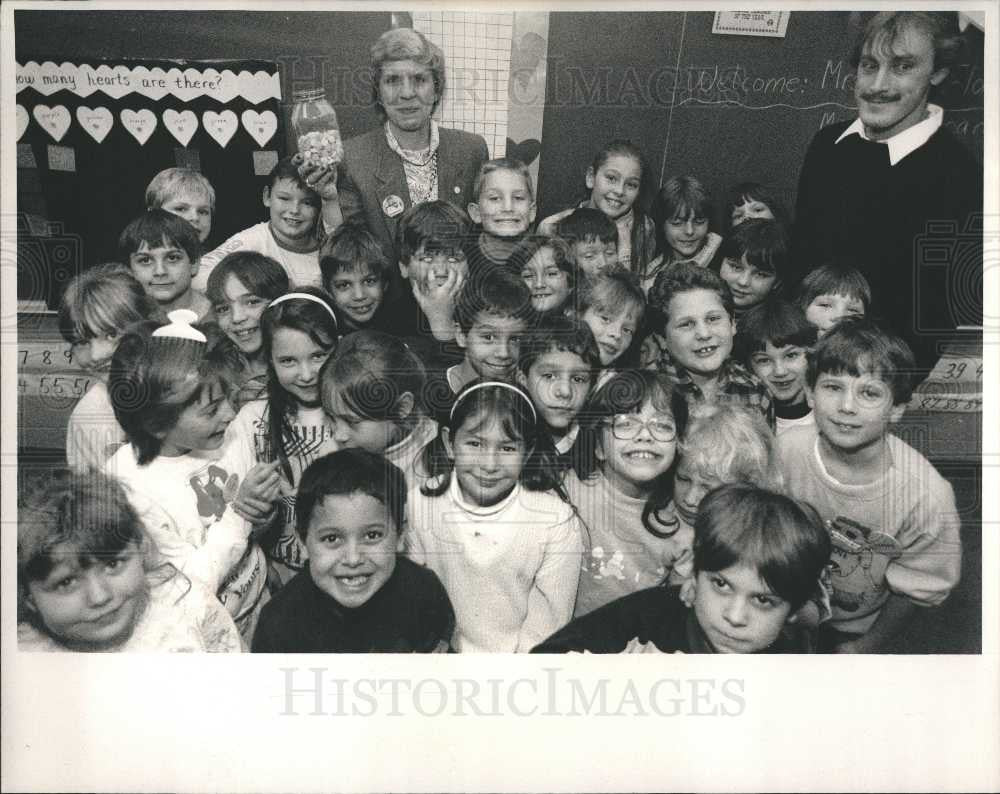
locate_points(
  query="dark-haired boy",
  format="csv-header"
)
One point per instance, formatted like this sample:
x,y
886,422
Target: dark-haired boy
x,y
492,315
593,239
357,595
757,558
163,252
558,367
774,341
357,275
290,235
891,516
432,239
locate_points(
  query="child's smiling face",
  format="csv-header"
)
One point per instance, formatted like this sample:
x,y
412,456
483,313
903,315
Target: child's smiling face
x,y
239,314
636,448
357,293
737,611
783,370
699,331
352,542
613,331
488,462
293,212
558,382
505,206
852,412
685,235
549,284
749,284
614,187
297,360
492,344
91,603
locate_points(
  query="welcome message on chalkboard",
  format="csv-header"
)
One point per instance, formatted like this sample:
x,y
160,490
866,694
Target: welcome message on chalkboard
x,y
722,108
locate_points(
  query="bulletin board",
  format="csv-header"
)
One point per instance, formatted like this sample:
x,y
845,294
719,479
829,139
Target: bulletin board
x,y
92,133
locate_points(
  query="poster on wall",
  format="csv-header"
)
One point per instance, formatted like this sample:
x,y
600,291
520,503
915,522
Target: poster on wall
x,y
91,134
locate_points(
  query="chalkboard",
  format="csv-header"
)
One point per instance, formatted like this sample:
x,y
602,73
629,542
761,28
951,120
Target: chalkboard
x,y
720,107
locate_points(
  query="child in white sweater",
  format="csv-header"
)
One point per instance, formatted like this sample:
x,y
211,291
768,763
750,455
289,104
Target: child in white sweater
x,y
506,550
174,411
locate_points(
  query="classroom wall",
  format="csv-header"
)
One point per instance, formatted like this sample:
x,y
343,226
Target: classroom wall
x,y
721,107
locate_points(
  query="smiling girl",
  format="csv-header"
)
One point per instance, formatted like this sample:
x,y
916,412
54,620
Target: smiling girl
x,y
169,399
621,488
89,579
276,438
240,288
506,550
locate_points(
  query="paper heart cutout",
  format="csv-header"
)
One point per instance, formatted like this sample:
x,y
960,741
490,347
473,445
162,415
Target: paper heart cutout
x,y
261,126
22,121
182,125
97,122
55,121
139,123
221,126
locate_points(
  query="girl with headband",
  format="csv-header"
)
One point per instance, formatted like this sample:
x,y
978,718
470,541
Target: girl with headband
x,y
168,396
505,547
280,435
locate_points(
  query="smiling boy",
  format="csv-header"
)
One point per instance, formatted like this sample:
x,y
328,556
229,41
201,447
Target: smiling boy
x,y
504,206
289,235
891,515
356,595
695,343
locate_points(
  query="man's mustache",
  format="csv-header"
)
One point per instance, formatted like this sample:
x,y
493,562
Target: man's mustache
x,y
880,97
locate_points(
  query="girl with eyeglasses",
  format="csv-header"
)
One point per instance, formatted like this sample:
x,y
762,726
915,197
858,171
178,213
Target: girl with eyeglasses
x,y
621,487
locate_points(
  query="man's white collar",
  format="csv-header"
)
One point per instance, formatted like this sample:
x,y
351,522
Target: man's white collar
x,y
906,142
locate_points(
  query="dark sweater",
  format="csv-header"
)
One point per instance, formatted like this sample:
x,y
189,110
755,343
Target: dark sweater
x,y
655,615
411,613
852,203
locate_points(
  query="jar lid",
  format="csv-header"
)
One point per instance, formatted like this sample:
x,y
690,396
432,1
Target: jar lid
x,y
308,94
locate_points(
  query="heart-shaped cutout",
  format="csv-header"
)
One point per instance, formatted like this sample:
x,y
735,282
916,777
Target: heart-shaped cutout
x,y
182,125
261,126
22,120
55,121
221,126
139,123
97,122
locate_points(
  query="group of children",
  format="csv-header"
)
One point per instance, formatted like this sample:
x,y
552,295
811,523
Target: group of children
x,y
618,430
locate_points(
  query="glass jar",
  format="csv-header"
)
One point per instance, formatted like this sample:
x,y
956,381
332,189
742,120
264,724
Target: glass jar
x,y
317,133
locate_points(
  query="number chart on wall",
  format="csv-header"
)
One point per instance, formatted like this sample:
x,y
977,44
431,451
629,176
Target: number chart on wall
x,y
91,135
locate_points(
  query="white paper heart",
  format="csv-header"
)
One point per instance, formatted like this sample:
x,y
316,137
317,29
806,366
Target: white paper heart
x,y
55,121
261,126
181,125
97,122
139,123
22,121
221,126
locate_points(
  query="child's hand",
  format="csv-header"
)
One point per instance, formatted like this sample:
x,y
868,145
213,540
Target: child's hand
x,y
437,301
687,592
322,179
258,492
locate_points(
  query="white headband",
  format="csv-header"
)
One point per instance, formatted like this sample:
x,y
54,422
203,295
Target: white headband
x,y
306,297
180,326
500,383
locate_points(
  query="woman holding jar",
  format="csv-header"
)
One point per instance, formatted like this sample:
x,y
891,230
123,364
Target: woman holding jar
x,y
409,159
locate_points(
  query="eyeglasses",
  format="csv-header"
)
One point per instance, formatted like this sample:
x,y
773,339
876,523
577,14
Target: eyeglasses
x,y
625,427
